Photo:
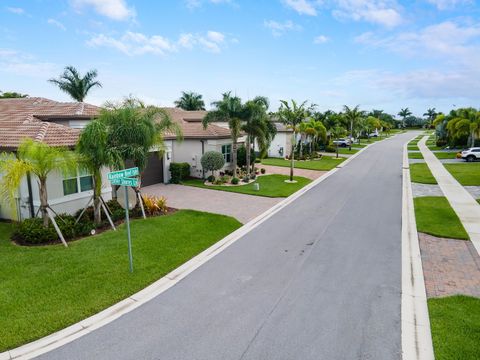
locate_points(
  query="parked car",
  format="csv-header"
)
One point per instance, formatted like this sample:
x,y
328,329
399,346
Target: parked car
x,y
341,142
471,154
374,134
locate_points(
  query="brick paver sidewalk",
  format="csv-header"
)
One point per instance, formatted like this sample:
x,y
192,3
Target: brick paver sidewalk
x,y
450,266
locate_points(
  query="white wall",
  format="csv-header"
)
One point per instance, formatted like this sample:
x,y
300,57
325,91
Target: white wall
x,y
280,141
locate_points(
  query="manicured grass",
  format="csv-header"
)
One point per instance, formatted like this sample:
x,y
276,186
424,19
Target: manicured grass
x,y
420,173
324,164
415,155
347,151
46,288
455,324
435,147
446,155
413,147
466,174
436,217
270,186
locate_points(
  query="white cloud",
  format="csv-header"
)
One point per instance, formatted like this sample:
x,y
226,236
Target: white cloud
x,y
383,12
193,4
448,4
303,7
16,10
134,43
113,9
320,39
56,23
279,29
22,64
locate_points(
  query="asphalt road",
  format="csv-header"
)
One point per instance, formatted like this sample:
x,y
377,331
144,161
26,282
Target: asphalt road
x,y
321,279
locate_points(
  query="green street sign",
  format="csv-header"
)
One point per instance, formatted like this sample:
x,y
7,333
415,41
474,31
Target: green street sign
x,y
125,181
126,173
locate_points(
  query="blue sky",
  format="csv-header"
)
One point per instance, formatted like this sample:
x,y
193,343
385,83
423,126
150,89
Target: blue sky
x,y
383,54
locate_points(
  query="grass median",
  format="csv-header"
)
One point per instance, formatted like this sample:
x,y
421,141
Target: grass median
x,y
47,288
325,163
455,325
270,186
435,216
466,174
420,173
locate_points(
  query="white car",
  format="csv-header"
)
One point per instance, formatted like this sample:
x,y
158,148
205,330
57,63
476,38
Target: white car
x,y
471,154
341,142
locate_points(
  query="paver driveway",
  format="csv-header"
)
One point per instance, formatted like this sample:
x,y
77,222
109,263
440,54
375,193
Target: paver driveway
x,y
242,207
320,279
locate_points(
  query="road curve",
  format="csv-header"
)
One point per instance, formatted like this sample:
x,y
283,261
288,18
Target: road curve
x,y
321,279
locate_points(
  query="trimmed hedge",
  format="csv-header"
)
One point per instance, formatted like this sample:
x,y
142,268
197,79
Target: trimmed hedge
x,y
179,172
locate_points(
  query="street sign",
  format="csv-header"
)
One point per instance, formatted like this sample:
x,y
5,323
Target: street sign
x,y
124,178
125,173
124,181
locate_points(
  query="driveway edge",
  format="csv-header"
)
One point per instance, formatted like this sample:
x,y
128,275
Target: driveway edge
x,y
416,335
81,328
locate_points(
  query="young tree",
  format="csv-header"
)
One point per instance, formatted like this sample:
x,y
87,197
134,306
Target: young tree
x,y
38,159
353,115
292,115
231,111
74,85
212,161
190,101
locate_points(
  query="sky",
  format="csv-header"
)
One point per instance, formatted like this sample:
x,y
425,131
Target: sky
x,y
379,54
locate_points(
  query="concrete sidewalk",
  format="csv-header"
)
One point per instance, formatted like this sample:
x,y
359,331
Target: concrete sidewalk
x,y
467,209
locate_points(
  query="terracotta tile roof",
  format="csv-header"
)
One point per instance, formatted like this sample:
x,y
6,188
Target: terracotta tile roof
x,y
25,117
192,128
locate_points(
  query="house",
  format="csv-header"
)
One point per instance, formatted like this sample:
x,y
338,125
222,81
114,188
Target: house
x,y
56,124
281,143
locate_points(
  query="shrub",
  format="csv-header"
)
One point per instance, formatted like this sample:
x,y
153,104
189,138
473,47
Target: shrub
x,y
212,161
263,171
242,156
211,179
155,205
179,172
32,231
118,214
330,148
245,179
235,181
441,143
258,161
66,224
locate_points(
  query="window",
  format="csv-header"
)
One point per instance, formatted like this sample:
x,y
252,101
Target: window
x,y
227,152
78,180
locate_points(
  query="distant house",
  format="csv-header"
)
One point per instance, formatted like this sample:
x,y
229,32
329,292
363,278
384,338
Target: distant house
x,y
281,143
59,124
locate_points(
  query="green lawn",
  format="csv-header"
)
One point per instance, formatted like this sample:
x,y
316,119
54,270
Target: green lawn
x,y
436,217
435,147
455,324
47,288
413,147
466,174
270,186
420,173
445,155
415,155
347,151
324,164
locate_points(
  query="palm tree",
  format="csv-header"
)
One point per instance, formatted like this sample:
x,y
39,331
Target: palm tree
x,y
231,111
293,115
95,154
74,85
35,158
316,131
465,122
431,114
404,113
336,133
353,115
190,101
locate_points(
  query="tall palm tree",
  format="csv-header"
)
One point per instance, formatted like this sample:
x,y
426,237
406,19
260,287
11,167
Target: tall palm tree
x,y
190,101
431,114
292,115
404,113
353,115
95,154
465,122
231,111
35,158
316,131
74,85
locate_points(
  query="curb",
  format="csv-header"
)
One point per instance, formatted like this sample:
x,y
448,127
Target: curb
x,y
81,328
415,321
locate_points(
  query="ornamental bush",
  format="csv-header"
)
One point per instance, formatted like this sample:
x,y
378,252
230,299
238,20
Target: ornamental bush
x,y
212,161
179,172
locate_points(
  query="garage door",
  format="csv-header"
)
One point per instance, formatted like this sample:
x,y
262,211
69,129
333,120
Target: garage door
x,y
153,173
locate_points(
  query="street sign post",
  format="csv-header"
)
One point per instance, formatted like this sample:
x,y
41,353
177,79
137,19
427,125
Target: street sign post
x,y
124,178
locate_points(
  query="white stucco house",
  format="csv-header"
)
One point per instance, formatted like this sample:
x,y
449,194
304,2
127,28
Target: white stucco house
x,y
59,124
281,143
